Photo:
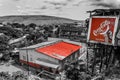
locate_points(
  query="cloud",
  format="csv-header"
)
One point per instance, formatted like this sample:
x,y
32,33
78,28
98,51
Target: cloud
x,y
80,2
106,3
96,0
103,3
30,10
44,7
58,2
27,6
1,5
16,0
18,7
58,7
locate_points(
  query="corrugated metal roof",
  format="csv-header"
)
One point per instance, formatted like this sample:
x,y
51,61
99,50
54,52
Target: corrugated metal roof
x,y
59,50
16,40
38,45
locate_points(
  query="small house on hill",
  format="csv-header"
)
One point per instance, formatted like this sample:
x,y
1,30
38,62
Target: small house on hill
x,y
49,55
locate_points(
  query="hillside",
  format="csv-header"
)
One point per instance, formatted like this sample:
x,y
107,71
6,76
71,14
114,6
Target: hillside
x,y
37,19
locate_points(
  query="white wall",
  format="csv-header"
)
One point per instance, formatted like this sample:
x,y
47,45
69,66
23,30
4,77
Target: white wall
x,y
35,55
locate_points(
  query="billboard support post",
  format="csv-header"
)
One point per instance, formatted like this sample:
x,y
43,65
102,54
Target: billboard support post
x,y
94,60
87,56
101,51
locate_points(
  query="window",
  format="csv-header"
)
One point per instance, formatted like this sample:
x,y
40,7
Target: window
x,y
24,57
31,59
72,57
77,54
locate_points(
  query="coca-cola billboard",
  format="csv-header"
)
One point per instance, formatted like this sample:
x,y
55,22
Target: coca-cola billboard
x,y
102,29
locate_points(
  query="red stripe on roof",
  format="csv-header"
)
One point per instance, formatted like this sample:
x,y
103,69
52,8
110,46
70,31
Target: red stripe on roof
x,y
59,50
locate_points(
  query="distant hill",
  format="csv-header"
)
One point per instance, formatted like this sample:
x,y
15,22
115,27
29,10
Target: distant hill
x,y
37,19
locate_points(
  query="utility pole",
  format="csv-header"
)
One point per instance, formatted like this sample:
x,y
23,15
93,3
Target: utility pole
x,y
26,44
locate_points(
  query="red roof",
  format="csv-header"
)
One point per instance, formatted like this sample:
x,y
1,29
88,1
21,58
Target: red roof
x,y
59,50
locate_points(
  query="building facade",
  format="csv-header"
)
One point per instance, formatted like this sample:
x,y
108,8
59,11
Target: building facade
x,y
50,56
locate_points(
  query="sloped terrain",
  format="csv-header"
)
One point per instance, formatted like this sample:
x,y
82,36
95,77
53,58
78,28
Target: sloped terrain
x,y
37,19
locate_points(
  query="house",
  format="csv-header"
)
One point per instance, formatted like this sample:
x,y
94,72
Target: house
x,y
17,42
50,55
73,33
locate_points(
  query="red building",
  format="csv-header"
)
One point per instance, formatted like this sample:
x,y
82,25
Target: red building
x,y
49,55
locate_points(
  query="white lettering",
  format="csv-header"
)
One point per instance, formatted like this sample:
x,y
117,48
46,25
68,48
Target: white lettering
x,y
103,28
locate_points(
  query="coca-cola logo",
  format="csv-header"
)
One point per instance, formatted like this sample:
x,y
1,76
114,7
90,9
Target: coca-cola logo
x,y
103,28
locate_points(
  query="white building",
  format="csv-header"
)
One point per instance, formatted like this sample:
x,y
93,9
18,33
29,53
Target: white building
x,y
49,55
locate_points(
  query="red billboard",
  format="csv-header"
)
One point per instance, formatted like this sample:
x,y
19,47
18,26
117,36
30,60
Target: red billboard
x,y
102,29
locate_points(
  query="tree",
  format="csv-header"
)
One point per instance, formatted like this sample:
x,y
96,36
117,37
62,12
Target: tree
x,y
46,28
32,25
16,25
9,31
4,45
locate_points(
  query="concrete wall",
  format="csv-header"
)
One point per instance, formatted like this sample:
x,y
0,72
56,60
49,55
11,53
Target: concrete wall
x,y
33,55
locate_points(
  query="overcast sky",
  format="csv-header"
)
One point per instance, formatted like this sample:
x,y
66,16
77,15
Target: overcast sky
x,y
74,9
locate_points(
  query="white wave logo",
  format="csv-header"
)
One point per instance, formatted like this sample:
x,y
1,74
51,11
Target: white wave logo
x,y
103,28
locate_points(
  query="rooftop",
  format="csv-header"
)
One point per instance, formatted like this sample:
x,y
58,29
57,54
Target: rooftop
x,y
59,50
38,45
